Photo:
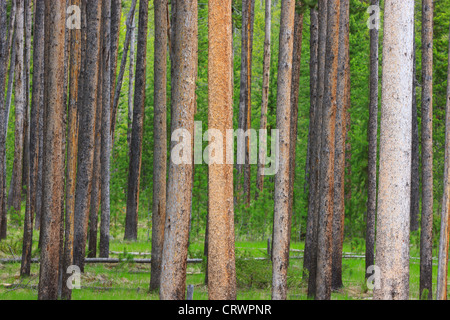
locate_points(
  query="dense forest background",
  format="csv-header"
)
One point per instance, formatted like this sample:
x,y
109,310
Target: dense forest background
x,y
255,223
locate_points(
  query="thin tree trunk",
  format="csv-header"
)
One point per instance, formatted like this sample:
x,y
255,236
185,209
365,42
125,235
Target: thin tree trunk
x,y
77,42
221,256
126,46
314,40
160,151
341,135
20,106
106,133
392,239
86,141
415,159
131,83
54,137
311,250
295,91
373,148
265,96
179,196
327,153
116,15
131,221
426,234
445,229
282,217
37,104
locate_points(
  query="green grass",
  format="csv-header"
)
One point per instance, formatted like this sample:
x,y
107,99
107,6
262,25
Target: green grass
x,y
130,281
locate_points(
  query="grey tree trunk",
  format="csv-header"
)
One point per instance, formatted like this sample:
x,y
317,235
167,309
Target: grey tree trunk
x,y
221,256
54,137
86,139
314,39
160,137
20,106
265,95
373,147
445,229
106,133
393,213
426,233
282,217
179,195
116,15
311,250
131,82
327,156
138,126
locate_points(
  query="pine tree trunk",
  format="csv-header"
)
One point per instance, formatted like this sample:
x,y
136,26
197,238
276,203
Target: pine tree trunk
x,y
373,148
77,42
116,15
311,250
314,39
265,96
86,141
179,196
445,229
131,83
426,234
340,137
282,217
131,221
392,239
54,137
106,132
221,256
160,152
20,106
327,156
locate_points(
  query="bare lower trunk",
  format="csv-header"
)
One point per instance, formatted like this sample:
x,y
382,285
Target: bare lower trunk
x,y
282,217
327,153
86,141
221,256
445,229
373,148
179,196
340,138
54,137
160,151
426,234
138,126
393,211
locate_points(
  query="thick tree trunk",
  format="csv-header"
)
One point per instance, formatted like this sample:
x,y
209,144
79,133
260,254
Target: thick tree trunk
x,y
282,217
106,133
445,229
86,141
314,40
160,151
426,234
131,221
340,138
179,196
327,153
373,148
265,95
54,137
392,241
221,256
77,42
311,250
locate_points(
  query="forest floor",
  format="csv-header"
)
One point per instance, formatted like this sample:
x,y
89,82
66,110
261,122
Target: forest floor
x,y
130,281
